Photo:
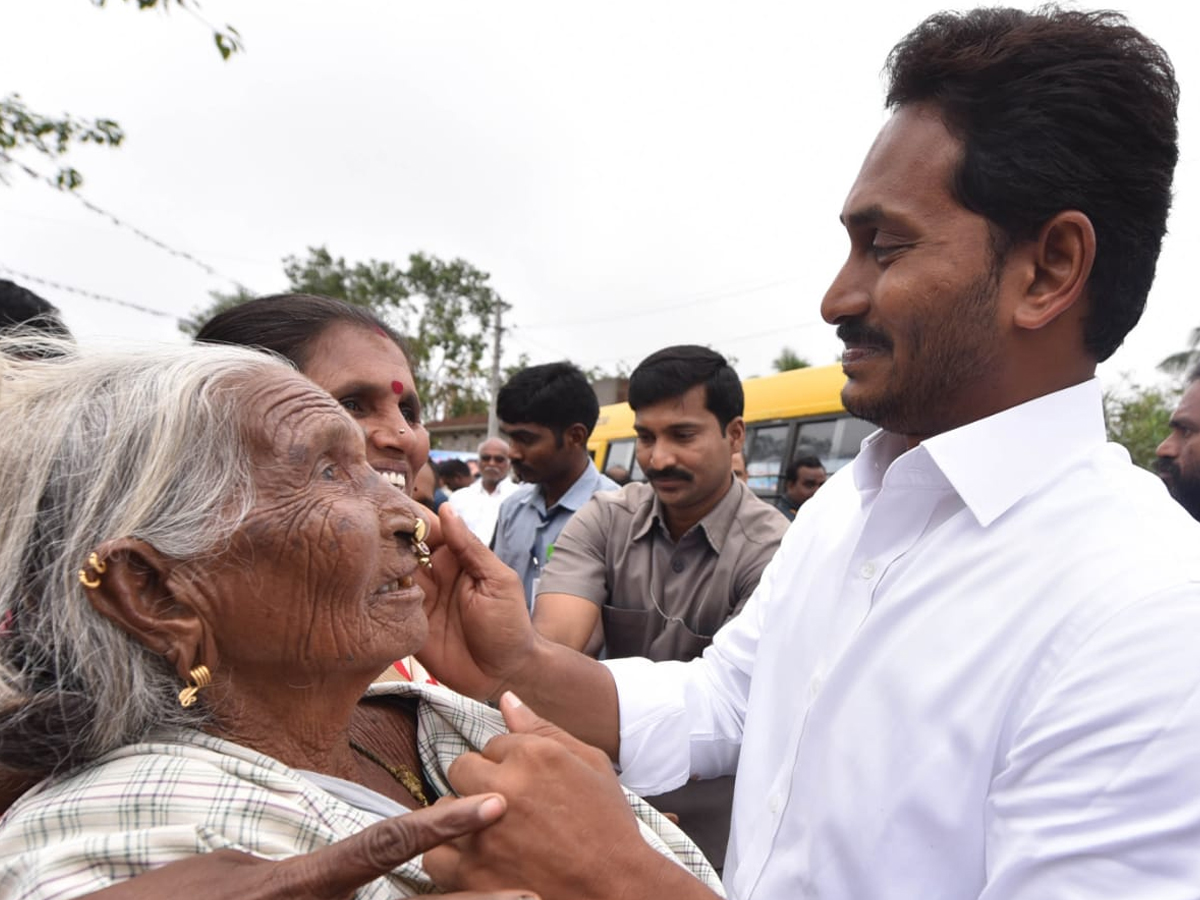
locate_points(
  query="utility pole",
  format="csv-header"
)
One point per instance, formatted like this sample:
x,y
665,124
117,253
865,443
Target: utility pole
x,y
493,426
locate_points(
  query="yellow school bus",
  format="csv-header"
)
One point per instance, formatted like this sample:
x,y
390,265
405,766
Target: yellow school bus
x,y
796,413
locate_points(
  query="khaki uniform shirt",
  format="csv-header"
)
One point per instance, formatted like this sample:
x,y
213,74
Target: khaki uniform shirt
x,y
661,599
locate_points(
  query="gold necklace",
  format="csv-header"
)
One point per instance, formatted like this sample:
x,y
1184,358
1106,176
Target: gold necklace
x,y
402,774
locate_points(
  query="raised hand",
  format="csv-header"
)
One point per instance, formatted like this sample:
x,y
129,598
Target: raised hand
x,y
480,635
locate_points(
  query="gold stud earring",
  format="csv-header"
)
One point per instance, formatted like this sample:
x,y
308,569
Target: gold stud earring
x,y
96,565
199,677
420,548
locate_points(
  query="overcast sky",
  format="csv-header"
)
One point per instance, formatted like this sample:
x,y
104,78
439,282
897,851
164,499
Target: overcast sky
x,y
631,174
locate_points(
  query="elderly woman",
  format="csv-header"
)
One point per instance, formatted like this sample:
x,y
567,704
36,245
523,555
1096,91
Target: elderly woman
x,y
361,361
204,576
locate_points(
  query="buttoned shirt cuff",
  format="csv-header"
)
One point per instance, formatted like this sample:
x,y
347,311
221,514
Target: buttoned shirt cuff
x,y
655,731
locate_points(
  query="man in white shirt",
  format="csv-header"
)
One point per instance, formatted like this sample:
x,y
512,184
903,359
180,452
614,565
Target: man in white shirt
x,y
971,671
479,502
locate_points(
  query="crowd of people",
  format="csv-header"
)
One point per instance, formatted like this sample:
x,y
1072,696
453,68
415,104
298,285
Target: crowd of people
x,y
962,666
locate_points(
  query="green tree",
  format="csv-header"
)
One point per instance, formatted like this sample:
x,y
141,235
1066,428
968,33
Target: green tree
x,y
1136,417
445,309
24,129
1178,363
788,360
190,325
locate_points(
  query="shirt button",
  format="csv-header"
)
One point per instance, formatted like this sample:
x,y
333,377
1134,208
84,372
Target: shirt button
x,y
867,570
677,566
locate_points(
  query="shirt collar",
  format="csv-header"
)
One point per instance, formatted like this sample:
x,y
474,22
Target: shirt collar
x,y
996,461
577,494
714,526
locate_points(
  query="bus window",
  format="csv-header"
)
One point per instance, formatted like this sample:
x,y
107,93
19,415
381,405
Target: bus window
x,y
834,441
846,442
622,453
765,449
816,439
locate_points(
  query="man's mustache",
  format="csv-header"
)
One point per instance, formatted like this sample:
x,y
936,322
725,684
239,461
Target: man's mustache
x,y
855,332
670,472
1164,465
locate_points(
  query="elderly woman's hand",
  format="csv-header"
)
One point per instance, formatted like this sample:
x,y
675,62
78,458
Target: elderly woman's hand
x,y
556,786
480,634
331,873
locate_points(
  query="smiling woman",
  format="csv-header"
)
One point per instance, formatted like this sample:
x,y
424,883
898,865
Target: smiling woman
x,y
205,575
354,355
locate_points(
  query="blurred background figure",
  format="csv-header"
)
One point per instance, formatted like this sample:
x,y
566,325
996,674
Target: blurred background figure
x,y
479,502
454,475
1178,463
802,478
739,468
426,489
618,474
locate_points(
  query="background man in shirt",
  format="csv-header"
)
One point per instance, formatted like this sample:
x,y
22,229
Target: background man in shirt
x,y
547,413
739,467
971,669
479,502
655,569
801,479
454,475
1178,461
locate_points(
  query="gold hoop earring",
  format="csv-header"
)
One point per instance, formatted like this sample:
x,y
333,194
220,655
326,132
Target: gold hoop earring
x,y
420,548
199,677
95,564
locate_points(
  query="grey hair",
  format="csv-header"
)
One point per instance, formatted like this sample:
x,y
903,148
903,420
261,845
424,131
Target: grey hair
x,y
100,445
488,440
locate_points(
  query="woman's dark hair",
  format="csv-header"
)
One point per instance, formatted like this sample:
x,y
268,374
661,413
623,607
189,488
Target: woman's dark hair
x,y
554,395
1057,109
288,324
673,371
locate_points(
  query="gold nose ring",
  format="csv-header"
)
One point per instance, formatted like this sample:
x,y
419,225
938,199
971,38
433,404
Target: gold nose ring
x,y
420,548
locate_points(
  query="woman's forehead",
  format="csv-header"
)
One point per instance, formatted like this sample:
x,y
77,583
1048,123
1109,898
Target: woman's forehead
x,y
283,401
348,353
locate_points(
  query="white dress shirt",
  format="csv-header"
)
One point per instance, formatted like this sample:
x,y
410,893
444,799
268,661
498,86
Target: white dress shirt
x,y
479,509
972,670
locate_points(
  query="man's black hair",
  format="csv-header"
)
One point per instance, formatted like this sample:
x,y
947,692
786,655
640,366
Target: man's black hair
x,y
673,371
1057,109
555,396
453,468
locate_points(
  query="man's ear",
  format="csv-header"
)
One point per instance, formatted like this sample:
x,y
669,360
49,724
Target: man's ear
x,y
1060,264
576,435
736,432
137,592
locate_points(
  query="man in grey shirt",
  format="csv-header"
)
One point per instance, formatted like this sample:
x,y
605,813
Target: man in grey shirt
x,y
655,569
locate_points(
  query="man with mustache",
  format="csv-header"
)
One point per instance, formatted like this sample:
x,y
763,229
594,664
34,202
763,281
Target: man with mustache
x,y
970,671
1178,463
653,570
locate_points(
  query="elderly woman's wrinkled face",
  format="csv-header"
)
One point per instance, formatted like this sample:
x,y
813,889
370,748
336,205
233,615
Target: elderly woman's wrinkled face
x,y
319,578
